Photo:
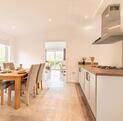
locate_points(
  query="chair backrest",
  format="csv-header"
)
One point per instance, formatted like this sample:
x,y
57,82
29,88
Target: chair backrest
x,y
40,72
32,76
10,65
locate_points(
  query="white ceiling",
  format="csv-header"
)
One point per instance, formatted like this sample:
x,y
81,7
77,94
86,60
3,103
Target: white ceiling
x,y
35,16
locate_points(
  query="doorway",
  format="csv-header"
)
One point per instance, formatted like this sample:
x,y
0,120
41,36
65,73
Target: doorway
x,y
55,58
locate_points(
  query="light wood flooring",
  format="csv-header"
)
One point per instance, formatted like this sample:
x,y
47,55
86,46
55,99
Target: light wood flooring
x,y
59,101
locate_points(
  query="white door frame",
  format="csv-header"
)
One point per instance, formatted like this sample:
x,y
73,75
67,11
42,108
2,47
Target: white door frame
x,y
66,54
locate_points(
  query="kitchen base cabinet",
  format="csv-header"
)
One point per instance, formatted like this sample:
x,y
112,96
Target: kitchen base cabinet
x,y
93,93
87,82
87,86
109,98
104,95
82,78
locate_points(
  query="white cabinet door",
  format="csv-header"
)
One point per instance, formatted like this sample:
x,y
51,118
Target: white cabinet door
x,y
93,93
82,78
87,82
87,86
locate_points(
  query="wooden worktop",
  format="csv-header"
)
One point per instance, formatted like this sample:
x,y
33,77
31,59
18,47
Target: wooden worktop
x,y
102,72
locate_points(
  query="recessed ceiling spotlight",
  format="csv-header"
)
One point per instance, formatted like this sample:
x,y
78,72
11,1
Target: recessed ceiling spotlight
x,y
50,20
85,17
13,27
89,27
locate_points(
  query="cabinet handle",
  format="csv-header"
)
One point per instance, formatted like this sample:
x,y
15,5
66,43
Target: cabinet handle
x,y
87,76
79,69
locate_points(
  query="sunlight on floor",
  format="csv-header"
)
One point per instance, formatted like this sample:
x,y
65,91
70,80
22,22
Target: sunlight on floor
x,y
54,78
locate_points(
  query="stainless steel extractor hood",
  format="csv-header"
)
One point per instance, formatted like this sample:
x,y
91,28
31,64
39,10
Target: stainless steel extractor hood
x,y
111,26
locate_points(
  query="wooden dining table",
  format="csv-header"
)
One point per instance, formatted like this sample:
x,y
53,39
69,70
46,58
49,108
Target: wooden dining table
x,y
17,78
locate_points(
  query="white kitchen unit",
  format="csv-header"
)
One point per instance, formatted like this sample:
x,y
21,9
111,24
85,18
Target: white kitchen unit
x,y
82,78
103,91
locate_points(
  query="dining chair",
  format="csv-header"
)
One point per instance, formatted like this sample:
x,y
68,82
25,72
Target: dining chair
x,y
39,78
4,85
29,85
10,65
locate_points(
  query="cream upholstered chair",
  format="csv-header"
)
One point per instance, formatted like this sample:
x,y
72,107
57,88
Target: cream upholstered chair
x,y
31,81
4,85
10,65
29,85
39,78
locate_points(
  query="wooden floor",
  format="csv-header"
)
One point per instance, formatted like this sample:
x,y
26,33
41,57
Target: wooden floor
x,y
59,101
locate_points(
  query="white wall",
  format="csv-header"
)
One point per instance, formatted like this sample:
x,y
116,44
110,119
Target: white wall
x,y
117,54
29,50
55,45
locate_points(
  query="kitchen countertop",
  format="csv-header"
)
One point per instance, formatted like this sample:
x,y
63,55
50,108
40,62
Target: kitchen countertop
x,y
102,72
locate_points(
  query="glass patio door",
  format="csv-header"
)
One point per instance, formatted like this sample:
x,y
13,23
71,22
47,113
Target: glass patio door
x,y
54,58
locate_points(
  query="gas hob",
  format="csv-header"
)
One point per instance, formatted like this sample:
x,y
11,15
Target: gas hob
x,y
110,67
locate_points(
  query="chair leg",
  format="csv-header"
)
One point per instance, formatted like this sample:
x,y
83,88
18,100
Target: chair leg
x,y
2,96
37,87
5,90
34,91
9,95
27,98
41,85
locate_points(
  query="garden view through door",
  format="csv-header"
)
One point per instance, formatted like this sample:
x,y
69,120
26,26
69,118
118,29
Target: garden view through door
x,y
55,58
55,54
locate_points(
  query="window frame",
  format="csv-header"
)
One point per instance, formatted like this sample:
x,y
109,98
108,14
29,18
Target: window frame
x,y
7,53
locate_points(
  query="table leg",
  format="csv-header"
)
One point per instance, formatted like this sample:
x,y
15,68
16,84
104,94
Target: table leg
x,y
17,93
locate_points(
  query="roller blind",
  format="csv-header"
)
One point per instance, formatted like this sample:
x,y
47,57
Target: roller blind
x,y
4,42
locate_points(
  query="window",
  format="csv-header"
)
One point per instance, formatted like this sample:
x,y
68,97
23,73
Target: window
x,y
4,53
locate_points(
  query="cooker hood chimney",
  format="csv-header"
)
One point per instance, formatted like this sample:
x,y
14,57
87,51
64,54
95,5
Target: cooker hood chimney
x,y
111,25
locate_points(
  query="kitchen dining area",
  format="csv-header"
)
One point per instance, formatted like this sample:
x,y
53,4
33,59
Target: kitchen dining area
x,y
61,60
19,80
